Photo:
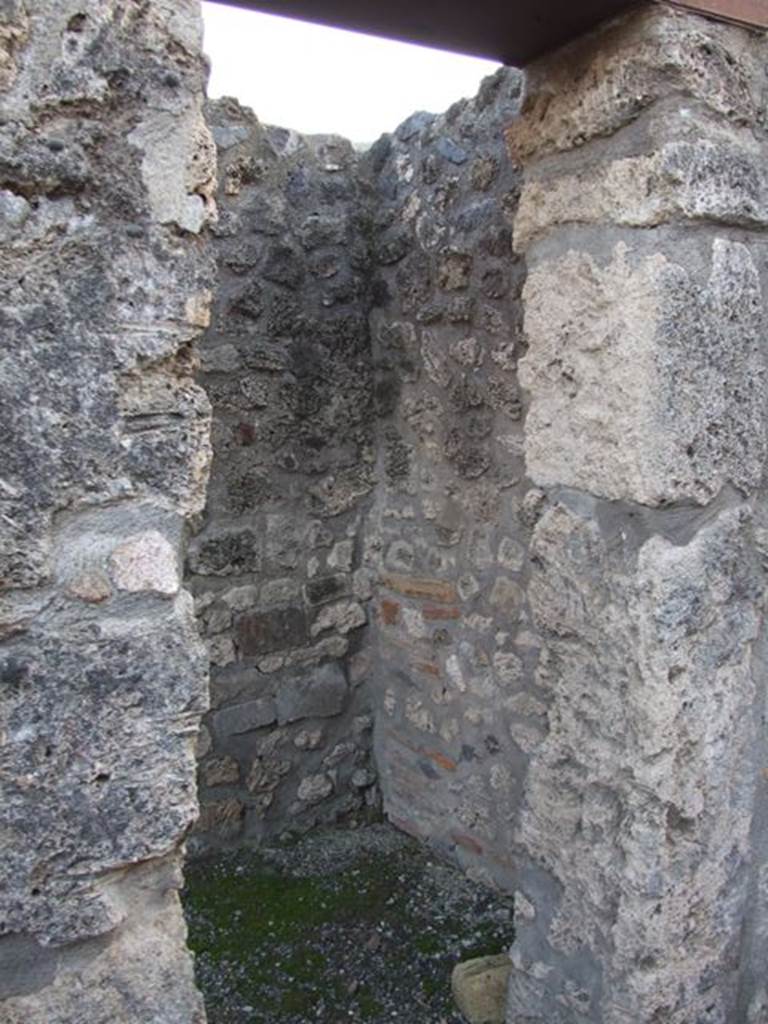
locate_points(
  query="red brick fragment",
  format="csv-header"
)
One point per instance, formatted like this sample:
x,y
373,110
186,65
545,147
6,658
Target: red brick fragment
x,y
440,759
425,589
389,612
467,842
432,613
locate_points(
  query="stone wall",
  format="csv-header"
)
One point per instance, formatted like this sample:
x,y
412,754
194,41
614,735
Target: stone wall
x,y
275,566
447,537
513,510
106,177
640,845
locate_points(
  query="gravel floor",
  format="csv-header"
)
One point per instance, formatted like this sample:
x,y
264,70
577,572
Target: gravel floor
x,y
343,926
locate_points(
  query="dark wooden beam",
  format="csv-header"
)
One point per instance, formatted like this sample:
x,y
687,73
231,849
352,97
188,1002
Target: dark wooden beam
x,y
510,31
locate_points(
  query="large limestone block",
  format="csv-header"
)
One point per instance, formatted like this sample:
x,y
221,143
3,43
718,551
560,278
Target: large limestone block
x,y
141,973
102,302
638,804
646,375
600,83
719,177
96,763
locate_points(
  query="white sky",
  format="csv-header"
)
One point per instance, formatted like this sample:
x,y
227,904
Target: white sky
x,y
318,80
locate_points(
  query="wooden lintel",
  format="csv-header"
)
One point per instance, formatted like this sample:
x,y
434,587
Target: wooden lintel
x,y
752,13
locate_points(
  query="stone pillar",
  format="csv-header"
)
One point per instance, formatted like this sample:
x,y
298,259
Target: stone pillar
x,y
641,838
106,177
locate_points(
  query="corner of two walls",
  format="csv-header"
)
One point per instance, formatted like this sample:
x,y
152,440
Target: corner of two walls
x,y
367,436
565,670
447,536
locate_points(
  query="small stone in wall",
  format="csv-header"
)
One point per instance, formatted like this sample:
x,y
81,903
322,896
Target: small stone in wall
x,y
242,718
220,771
232,552
146,562
511,554
361,724
308,739
508,668
221,650
224,817
240,599
269,632
275,593
266,773
339,753
217,620
362,778
312,693
315,788
90,586
400,556
467,352
418,715
480,988
326,588
454,269
506,595
527,735
479,548
341,556
468,587
344,617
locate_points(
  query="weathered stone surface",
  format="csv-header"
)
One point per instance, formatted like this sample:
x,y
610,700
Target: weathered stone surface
x,y
108,757
479,988
125,979
220,771
147,562
344,617
287,364
315,788
446,337
106,175
629,786
711,178
241,718
601,83
640,835
646,374
312,693
279,630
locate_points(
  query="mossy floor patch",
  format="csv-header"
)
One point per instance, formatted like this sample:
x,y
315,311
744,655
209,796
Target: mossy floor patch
x,y
340,927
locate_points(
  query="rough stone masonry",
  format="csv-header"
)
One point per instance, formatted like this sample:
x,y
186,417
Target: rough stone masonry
x,y
275,563
106,179
488,428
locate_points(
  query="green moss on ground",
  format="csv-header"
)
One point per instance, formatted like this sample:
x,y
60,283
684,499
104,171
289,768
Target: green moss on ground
x,y
282,946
